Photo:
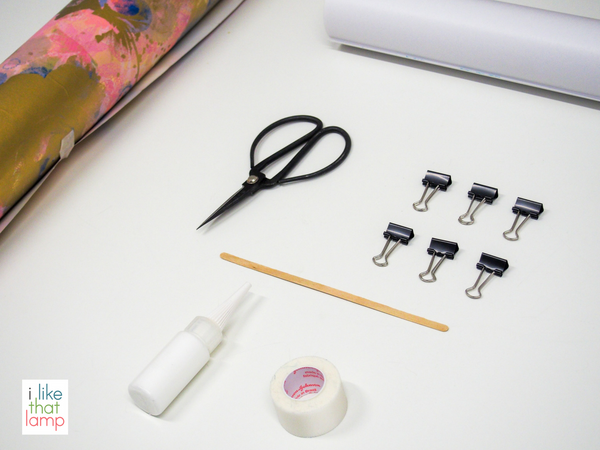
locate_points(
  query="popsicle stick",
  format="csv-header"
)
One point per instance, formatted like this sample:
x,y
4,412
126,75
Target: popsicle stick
x,y
335,292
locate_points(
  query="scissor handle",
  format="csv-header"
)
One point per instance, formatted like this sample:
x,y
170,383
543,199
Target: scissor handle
x,y
301,140
309,140
280,177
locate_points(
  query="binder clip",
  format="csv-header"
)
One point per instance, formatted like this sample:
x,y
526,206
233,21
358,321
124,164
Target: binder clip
x,y
527,209
444,250
482,194
396,233
491,264
435,180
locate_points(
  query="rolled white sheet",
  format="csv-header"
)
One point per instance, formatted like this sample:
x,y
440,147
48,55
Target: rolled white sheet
x,y
531,46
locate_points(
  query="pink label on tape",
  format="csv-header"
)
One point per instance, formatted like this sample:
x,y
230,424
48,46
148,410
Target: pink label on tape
x,y
304,383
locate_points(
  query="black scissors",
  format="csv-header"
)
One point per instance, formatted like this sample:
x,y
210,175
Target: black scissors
x,y
257,180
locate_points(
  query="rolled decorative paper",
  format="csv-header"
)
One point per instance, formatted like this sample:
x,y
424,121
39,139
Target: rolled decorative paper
x,y
57,85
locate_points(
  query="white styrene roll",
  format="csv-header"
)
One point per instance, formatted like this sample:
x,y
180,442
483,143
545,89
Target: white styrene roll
x,y
531,46
309,397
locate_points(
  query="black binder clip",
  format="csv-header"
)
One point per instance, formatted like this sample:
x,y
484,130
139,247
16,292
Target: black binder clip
x,y
491,264
527,209
435,180
482,194
396,233
443,249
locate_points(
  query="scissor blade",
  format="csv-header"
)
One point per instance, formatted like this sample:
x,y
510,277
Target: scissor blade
x,y
232,201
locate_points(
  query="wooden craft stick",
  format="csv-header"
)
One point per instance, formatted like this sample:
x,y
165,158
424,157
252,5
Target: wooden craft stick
x,y
335,292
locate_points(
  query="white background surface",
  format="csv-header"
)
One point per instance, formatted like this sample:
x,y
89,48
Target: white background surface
x,y
104,265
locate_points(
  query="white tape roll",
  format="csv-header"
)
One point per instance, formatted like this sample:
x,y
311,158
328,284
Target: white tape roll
x,y
308,396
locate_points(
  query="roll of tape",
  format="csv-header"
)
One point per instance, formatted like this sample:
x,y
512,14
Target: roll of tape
x,y
309,396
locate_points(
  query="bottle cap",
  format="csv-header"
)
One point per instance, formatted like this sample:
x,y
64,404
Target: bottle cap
x,y
209,329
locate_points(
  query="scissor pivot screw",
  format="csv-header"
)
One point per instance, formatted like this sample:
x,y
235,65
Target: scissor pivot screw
x,y
252,179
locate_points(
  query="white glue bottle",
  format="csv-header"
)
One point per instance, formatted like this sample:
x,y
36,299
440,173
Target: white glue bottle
x,y
173,368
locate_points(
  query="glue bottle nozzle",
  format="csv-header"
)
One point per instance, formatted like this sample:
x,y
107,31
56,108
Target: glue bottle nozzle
x,y
222,313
